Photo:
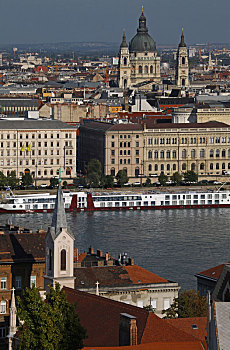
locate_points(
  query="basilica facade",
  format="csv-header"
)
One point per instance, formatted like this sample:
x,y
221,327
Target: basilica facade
x,y
139,61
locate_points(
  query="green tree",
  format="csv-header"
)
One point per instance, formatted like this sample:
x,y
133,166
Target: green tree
x,y
12,180
162,178
188,304
148,182
176,178
53,182
48,325
94,173
2,179
122,177
27,179
107,181
190,176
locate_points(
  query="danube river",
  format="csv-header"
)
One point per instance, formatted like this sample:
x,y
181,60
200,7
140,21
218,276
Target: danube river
x,y
175,244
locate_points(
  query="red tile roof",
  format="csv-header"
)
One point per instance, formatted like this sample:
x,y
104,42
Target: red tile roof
x,y
213,272
195,326
15,247
101,318
115,276
155,346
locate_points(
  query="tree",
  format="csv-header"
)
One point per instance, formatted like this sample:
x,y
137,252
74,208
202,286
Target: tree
x,y
53,182
190,176
107,181
148,182
176,178
48,325
94,173
2,179
122,177
27,179
162,178
188,304
12,180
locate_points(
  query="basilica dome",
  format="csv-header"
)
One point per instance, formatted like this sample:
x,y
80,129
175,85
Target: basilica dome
x,y
142,41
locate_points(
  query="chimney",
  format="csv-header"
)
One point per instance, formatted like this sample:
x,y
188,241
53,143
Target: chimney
x,y
99,253
91,251
127,330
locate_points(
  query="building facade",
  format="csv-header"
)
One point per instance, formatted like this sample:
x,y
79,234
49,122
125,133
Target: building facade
x,y
38,147
148,149
139,62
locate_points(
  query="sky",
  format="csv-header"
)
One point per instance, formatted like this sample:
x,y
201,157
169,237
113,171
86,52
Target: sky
x,y
48,21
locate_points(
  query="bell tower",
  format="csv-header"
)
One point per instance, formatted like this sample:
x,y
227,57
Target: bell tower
x,y
124,65
59,248
182,68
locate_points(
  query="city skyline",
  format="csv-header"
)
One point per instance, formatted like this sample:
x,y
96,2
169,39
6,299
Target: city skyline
x,y
103,21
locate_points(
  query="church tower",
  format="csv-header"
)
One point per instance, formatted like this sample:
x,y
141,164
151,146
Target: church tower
x,y
59,248
182,69
124,64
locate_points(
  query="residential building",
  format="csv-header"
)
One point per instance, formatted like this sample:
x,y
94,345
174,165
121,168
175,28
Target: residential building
x,y
39,147
148,149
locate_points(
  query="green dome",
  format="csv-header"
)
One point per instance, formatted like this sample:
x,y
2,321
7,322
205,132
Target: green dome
x,y
142,41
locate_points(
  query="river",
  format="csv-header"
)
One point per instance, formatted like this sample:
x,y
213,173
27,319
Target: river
x,y
174,244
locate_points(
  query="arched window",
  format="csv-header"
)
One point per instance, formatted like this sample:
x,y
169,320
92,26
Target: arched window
x,y
3,307
150,167
202,153
183,60
168,167
223,166
137,172
193,166
146,69
193,153
211,166
150,154
211,153
125,61
184,166
168,154
184,153
183,82
162,167
229,153
201,166
112,171
223,153
174,166
217,153
162,154
140,69
217,166
63,260
155,154
156,167
174,154
151,69
125,83
228,165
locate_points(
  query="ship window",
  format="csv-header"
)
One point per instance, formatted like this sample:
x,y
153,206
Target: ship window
x,y
195,196
202,201
209,201
153,203
188,202
123,204
167,203
217,201
146,203
195,201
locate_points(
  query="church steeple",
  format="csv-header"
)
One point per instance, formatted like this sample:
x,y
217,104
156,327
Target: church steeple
x,y
124,42
59,215
182,43
142,23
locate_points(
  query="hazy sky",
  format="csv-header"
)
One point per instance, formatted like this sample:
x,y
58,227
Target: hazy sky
x,y
34,21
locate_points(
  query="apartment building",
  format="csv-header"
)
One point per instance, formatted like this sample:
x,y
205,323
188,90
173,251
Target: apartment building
x,y
38,147
150,149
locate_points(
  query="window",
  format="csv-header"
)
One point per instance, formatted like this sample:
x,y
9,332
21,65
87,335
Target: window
x,y
168,154
217,153
184,153
211,153
174,154
150,167
155,154
183,166
153,303
18,282
63,260
137,160
162,154
223,153
150,154
166,304
140,69
3,307
193,153
112,171
202,166
137,144
112,144
32,281
202,153
3,282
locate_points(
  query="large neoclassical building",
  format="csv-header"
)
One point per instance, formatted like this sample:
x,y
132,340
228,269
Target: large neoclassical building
x,y
139,61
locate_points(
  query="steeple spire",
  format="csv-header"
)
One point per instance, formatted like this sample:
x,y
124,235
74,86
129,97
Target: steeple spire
x,y
142,22
182,43
13,310
59,215
124,42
